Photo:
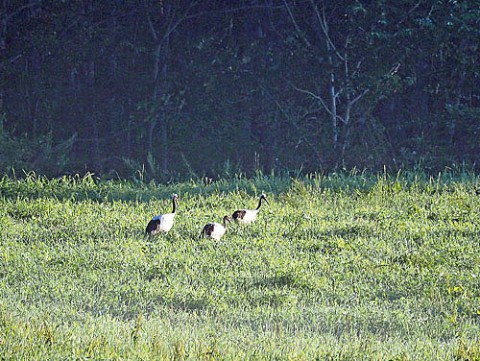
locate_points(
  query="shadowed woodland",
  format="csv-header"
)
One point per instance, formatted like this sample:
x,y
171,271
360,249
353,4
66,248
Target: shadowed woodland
x,y
166,89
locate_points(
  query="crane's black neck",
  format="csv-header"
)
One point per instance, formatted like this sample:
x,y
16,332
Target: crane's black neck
x,y
260,203
174,201
225,220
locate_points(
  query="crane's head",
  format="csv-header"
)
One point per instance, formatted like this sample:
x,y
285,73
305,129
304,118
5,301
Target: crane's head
x,y
264,197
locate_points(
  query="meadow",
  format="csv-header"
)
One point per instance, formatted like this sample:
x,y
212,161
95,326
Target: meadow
x,y
338,267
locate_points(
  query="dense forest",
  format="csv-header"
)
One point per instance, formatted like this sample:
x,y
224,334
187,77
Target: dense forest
x,y
214,87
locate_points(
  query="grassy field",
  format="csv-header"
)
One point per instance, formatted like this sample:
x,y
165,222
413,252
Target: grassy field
x,y
338,267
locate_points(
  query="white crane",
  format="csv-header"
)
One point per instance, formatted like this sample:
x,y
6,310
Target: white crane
x,y
163,222
247,216
216,230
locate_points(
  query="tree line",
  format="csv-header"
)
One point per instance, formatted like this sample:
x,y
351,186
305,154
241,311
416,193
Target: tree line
x,y
195,87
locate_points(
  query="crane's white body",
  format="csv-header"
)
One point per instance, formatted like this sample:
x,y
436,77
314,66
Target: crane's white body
x,y
163,222
218,231
166,222
215,230
247,216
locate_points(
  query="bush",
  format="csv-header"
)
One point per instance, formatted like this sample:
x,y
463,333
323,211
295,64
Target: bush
x,y
38,154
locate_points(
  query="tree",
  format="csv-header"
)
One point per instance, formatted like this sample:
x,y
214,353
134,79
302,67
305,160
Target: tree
x,y
339,39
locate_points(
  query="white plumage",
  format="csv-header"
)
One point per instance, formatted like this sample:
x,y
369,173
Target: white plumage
x,y
163,222
216,230
247,216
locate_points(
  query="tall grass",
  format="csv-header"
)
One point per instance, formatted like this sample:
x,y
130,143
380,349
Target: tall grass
x,y
340,266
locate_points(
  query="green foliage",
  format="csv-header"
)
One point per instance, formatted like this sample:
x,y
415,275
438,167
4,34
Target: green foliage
x,y
39,154
222,86
341,266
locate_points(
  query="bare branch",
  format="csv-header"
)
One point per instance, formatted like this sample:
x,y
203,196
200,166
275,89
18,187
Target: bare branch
x,y
359,96
182,18
8,17
322,19
315,96
357,68
172,25
233,10
150,23
344,121
410,13
394,69
297,28
320,99
337,94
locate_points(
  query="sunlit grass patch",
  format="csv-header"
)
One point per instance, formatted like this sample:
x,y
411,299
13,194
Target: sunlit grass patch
x,y
337,267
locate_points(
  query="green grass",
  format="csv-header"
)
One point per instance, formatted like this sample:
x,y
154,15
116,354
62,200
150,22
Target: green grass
x,y
338,267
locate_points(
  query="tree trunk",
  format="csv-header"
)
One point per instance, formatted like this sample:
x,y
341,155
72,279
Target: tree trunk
x,y
164,146
160,72
3,24
330,56
155,96
91,114
89,97
333,106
